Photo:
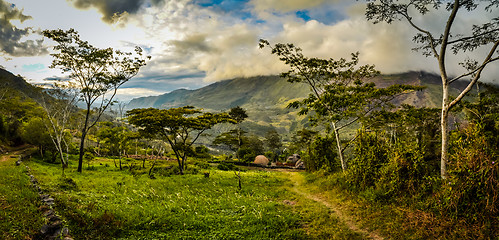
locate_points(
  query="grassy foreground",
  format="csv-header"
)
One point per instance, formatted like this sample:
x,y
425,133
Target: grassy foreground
x,y
19,215
105,203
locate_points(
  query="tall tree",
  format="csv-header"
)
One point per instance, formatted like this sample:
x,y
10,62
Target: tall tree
x,y
180,127
58,111
339,96
483,37
273,143
95,72
238,114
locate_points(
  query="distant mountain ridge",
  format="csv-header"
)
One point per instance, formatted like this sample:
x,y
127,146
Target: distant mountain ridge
x,y
269,91
262,90
265,98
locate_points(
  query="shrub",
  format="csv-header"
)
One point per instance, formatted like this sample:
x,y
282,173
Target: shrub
x,y
405,171
202,165
371,153
227,166
202,151
471,191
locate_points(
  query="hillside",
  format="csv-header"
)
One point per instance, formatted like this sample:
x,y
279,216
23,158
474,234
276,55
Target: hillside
x,y
16,85
265,98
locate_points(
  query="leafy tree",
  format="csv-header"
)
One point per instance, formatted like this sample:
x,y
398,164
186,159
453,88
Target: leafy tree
x,y
302,140
322,154
410,124
483,38
33,131
273,142
95,72
116,138
338,96
233,139
251,148
15,111
238,114
180,127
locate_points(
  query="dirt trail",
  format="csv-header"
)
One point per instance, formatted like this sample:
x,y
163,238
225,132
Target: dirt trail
x,y
298,181
13,152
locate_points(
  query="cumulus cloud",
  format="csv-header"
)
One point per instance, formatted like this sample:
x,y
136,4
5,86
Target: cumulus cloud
x,y
12,38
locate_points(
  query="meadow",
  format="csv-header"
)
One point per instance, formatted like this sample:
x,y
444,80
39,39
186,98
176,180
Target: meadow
x,y
105,203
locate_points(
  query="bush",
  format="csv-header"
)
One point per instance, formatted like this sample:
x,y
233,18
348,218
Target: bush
x,y
202,151
202,165
405,171
246,154
371,154
227,166
323,155
471,190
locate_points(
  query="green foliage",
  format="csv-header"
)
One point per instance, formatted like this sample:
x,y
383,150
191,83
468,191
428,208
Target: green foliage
x,y
273,141
371,154
224,166
233,139
94,72
322,154
202,151
471,190
252,147
34,132
405,173
180,127
16,110
238,114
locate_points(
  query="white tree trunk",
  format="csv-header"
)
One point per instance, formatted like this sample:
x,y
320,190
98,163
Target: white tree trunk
x,y
444,120
338,145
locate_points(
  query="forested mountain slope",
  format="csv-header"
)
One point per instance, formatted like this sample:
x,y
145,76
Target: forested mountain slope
x,y
265,98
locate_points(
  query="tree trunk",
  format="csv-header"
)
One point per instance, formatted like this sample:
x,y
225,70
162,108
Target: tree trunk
x,y
445,131
82,140
152,167
338,145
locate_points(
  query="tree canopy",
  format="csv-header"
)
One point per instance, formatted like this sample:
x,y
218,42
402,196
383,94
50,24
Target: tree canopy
x,y
94,72
180,127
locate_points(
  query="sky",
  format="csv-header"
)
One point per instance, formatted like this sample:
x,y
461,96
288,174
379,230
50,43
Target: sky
x,y
193,43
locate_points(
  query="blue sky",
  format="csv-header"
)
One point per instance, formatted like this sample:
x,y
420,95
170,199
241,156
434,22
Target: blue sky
x,y
196,42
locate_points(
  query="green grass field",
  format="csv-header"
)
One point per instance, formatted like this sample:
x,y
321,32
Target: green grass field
x,y
105,203
19,215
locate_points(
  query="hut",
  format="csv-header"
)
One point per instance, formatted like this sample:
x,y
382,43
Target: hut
x,y
261,160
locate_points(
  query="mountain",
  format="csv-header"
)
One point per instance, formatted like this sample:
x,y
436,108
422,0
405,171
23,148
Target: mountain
x,y
17,85
257,92
265,98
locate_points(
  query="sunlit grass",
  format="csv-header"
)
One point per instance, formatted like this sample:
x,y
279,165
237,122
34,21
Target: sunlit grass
x,y
19,215
105,203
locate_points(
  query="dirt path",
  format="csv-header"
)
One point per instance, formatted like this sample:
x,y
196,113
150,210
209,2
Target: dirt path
x,y
298,181
13,152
